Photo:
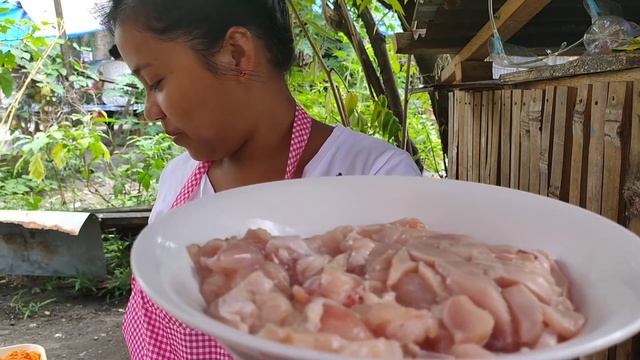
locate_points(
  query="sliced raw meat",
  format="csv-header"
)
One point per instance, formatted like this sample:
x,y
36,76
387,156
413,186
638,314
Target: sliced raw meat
x,y
468,323
401,264
341,321
527,313
387,291
486,294
470,351
565,323
397,322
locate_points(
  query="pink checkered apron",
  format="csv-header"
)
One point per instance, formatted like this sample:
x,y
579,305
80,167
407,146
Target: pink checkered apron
x,y
151,333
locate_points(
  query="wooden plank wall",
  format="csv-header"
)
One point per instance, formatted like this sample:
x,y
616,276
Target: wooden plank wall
x,y
577,143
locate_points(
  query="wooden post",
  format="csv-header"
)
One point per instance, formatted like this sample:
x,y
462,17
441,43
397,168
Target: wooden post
x,y
581,118
613,150
64,47
596,147
623,350
632,183
525,134
546,145
453,138
469,134
477,115
505,145
516,97
603,355
495,138
464,103
562,143
534,116
485,139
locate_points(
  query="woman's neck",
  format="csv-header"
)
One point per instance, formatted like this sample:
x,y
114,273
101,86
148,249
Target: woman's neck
x,y
263,155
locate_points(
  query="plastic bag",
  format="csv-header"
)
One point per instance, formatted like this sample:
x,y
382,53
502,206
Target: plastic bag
x,y
597,8
607,32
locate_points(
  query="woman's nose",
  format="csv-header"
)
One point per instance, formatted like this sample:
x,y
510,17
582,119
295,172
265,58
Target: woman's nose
x,y
152,110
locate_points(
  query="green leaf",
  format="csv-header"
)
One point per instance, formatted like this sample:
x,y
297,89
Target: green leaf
x,y
144,179
6,84
351,103
106,154
9,60
364,4
36,168
395,4
39,141
39,42
58,155
390,126
19,165
84,144
328,101
95,149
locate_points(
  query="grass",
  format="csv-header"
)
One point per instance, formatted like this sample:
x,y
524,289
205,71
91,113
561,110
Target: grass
x,y
115,286
118,281
26,307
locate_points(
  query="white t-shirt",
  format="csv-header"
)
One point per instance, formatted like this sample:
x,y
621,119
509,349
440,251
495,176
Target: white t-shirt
x,y
345,152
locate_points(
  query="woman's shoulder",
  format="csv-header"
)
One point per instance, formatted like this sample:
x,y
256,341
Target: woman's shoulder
x,y
348,152
171,180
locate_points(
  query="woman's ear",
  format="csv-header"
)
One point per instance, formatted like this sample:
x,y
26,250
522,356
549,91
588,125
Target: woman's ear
x,y
238,51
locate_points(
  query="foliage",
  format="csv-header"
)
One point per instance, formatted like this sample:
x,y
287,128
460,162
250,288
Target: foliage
x,y
367,113
116,285
27,306
143,159
63,155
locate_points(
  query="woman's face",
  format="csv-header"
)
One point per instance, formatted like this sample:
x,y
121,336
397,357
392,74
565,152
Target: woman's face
x,y
198,109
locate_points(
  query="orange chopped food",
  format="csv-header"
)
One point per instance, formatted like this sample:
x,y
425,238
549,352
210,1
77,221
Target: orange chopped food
x,y
22,355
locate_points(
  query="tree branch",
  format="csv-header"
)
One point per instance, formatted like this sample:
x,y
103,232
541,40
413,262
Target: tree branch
x,y
332,85
379,44
339,19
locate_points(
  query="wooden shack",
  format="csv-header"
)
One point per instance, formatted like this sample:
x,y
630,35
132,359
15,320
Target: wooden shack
x,y
570,131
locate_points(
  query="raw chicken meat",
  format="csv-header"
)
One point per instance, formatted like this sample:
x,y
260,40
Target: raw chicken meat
x,y
387,291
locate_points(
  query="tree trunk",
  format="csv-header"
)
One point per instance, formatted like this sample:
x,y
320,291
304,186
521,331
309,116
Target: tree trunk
x,y
440,106
64,47
379,44
102,45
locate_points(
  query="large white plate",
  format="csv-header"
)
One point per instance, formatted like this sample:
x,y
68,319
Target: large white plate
x,y
602,258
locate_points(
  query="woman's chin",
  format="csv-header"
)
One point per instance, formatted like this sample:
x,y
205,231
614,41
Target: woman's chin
x,y
199,155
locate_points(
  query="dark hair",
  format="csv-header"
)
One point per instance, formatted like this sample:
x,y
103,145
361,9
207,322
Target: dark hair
x,y
204,23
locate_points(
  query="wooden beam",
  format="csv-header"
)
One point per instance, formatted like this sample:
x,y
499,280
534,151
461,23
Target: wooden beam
x,y
405,43
511,17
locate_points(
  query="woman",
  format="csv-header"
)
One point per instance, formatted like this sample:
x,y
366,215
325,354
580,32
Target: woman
x,y
214,73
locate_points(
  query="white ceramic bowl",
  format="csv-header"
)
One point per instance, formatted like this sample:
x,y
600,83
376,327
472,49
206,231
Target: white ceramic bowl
x,y
4,351
602,258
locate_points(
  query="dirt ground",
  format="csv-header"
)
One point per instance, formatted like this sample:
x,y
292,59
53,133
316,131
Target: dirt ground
x,y
71,327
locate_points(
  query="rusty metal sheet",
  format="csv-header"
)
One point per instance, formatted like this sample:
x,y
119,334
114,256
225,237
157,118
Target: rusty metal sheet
x,y
51,244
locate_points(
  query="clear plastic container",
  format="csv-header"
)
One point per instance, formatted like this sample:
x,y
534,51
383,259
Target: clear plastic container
x,y
28,347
